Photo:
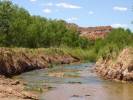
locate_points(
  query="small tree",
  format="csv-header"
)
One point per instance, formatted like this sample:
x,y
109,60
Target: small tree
x,y
5,16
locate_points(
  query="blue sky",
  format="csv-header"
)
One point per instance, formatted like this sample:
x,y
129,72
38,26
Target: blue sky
x,y
118,13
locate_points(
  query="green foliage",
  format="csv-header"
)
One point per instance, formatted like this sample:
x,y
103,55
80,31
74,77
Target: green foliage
x,y
113,43
19,29
5,16
108,51
82,54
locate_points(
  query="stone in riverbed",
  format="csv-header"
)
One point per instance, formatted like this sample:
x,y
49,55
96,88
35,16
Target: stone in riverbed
x,y
87,95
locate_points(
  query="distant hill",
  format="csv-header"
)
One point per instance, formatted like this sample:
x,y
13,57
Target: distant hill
x,y
94,32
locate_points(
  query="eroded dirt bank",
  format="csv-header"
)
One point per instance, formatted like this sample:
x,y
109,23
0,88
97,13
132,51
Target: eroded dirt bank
x,y
15,61
120,68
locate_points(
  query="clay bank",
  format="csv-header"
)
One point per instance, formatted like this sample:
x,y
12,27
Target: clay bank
x,y
120,68
19,60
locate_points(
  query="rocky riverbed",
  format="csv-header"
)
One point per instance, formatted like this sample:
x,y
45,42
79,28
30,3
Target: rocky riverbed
x,y
120,68
75,82
14,90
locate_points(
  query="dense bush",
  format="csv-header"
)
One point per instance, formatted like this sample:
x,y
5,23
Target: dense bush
x,y
113,43
18,28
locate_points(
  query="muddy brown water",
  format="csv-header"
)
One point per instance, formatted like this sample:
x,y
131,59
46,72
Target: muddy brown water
x,y
75,82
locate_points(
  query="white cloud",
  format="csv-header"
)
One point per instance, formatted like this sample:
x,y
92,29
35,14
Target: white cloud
x,y
47,10
120,8
72,19
33,0
119,25
91,12
66,5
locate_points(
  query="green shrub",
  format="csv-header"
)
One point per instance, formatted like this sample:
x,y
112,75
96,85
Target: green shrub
x,y
113,43
109,51
20,29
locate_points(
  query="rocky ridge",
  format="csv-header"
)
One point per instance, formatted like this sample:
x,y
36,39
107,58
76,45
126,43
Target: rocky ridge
x,y
91,33
94,33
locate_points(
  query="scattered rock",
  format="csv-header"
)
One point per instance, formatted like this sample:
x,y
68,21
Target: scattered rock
x,y
75,96
75,82
15,82
87,95
14,90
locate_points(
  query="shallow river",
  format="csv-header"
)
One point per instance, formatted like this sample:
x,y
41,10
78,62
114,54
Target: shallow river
x,y
75,82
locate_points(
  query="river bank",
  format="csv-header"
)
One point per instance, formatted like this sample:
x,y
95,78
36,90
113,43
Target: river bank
x,y
11,89
14,61
119,69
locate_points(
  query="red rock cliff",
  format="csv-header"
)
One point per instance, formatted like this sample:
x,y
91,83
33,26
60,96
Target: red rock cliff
x,y
94,32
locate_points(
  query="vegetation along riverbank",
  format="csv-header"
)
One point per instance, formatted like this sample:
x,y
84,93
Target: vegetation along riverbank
x,y
29,42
